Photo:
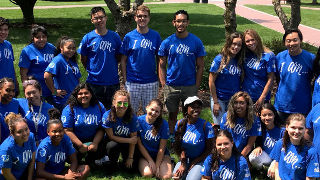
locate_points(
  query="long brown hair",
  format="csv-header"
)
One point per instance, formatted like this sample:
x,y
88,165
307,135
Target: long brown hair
x,y
260,48
129,112
158,122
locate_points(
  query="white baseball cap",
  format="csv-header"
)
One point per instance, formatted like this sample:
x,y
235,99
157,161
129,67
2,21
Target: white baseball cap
x,y
191,100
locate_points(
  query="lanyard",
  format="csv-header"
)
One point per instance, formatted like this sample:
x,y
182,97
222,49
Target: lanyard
x,y
35,118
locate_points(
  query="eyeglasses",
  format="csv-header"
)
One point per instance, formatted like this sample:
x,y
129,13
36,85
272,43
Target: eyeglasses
x,y
29,82
120,103
98,18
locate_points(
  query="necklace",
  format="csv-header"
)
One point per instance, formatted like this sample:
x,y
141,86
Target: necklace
x,y
36,118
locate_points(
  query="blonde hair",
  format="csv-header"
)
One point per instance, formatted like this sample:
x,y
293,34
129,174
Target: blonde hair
x,y
260,47
11,119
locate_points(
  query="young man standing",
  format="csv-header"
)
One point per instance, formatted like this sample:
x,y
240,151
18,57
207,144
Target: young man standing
x,y
99,51
139,60
184,53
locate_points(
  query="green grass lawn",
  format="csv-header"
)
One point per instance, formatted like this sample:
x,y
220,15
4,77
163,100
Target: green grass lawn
x,y
307,3
308,17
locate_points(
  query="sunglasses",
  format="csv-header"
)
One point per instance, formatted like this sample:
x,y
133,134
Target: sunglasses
x,y
125,104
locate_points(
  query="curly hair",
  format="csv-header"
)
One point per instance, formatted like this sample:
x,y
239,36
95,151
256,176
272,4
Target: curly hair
x,y
260,48
129,112
73,99
158,122
286,137
232,115
215,155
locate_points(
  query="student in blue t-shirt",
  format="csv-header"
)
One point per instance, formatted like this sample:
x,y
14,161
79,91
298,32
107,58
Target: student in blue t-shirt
x,y
193,140
181,64
34,109
152,140
139,60
241,122
225,162
82,122
271,133
62,74
224,77
6,54
259,67
55,150
35,58
121,127
294,69
313,126
99,51
7,103
293,158
316,79
17,152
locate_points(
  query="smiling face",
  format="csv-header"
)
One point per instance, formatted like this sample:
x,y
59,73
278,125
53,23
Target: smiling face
x,y
40,40
293,43
84,96
33,95
181,23
251,43
4,32
68,49
56,132
153,112
21,132
99,19
121,104
296,130
235,46
240,106
7,92
194,110
142,18
267,118
224,147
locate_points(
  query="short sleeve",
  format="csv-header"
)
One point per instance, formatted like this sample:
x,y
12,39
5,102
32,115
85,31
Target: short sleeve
x,y
52,68
102,111
118,43
313,163
6,158
82,46
309,123
105,120
134,124
276,151
256,127
244,172
206,167
164,134
215,63
271,63
223,122
32,142
24,60
163,50
209,133
42,153
200,49
67,117
124,46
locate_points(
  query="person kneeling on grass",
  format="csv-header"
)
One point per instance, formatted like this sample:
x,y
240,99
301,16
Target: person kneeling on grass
x,y
53,152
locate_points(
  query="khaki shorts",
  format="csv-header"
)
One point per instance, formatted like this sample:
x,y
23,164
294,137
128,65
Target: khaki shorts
x,y
174,94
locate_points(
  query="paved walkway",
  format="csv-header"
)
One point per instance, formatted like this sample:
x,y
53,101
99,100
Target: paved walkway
x,y
310,35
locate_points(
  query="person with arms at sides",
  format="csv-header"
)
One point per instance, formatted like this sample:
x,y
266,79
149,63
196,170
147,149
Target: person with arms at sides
x,y
241,122
139,60
313,126
316,79
152,141
225,75
193,141
34,109
121,127
293,158
294,69
99,51
271,133
17,152
35,58
184,53
53,152
6,55
82,122
225,161
259,67
7,103
62,74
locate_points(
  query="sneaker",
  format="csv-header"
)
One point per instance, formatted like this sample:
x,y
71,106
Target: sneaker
x,y
101,161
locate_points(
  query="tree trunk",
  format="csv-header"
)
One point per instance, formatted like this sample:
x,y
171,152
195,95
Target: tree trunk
x,y
123,14
230,21
26,7
295,19
314,2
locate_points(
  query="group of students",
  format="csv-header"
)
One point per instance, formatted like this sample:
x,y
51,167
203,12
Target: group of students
x,y
252,132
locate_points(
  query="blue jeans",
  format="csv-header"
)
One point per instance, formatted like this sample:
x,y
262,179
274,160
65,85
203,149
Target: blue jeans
x,y
193,174
224,108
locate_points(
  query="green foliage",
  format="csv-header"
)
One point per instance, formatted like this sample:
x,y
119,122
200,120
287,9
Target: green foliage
x,y
276,45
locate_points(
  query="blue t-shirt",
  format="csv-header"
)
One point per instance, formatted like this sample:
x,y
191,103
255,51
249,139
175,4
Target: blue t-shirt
x,y
313,123
41,131
294,90
270,137
6,60
52,156
149,141
233,168
120,128
239,133
292,163
181,57
5,109
256,73
84,121
316,92
101,52
66,76
36,61
195,136
313,164
141,50
16,157
228,79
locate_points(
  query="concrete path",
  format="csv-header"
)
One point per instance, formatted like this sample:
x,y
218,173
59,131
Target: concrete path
x,y
310,35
